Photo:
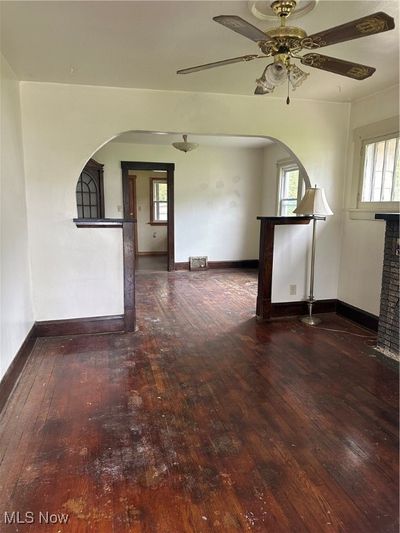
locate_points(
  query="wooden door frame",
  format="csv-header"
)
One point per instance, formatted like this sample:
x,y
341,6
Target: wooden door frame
x,y
127,213
169,168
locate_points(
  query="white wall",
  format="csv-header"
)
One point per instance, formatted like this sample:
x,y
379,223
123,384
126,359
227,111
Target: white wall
x,y
292,243
16,304
217,196
63,125
291,246
363,240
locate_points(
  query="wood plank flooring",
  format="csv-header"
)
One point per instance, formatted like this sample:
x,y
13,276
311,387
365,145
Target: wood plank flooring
x,y
204,421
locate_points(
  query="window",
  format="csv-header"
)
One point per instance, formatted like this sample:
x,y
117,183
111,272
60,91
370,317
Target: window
x,y
158,201
380,170
89,191
291,188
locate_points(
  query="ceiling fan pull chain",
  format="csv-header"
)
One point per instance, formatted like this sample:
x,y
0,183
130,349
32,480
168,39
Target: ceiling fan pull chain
x,y
288,97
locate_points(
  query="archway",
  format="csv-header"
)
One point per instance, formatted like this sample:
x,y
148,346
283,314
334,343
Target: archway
x,y
164,140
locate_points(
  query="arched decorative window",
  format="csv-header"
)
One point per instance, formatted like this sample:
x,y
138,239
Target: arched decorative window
x,y
89,191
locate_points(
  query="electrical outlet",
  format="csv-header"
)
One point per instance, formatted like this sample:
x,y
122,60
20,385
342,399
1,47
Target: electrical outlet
x,y
292,290
119,208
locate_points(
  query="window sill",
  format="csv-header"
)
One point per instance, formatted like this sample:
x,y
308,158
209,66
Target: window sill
x,y
158,223
367,214
99,222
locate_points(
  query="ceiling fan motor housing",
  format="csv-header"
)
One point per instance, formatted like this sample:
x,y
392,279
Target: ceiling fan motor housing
x,y
283,39
283,8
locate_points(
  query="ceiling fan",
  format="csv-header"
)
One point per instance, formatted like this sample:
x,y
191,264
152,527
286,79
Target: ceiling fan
x,y
285,42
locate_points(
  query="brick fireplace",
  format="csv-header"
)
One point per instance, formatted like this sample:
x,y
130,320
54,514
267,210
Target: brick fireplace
x,y
388,329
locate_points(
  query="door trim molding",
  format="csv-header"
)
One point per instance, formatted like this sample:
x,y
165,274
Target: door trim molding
x,y
169,168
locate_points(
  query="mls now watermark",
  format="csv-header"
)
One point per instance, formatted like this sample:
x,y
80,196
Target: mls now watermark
x,y
30,517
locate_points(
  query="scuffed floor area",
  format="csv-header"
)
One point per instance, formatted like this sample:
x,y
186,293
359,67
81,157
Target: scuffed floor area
x,y
203,421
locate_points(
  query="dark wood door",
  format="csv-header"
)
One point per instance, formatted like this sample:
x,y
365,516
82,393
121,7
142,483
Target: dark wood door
x,y
130,205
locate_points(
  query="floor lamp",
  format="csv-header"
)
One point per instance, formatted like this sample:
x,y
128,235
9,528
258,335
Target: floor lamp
x,y
314,204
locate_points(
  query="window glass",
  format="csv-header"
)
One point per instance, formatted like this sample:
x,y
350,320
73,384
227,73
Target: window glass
x,y
87,197
381,171
291,189
159,203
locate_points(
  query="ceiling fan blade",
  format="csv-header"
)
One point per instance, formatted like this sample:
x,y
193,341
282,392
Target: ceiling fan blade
x,y
338,66
217,64
239,25
362,27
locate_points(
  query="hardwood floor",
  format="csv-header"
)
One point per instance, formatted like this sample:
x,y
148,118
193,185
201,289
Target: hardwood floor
x,y
204,421
152,263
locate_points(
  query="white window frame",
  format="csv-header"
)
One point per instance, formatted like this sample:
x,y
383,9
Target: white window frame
x,y
366,210
386,205
282,167
155,203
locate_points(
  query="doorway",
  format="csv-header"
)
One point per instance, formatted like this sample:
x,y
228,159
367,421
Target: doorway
x,y
148,198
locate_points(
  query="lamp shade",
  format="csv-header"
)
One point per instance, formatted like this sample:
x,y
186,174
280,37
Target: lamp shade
x,y
313,203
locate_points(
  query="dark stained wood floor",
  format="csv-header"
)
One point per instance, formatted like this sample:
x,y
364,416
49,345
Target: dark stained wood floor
x,y
151,263
204,421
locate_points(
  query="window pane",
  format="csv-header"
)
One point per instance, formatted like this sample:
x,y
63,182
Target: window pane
x,y
160,205
159,190
287,207
396,181
92,186
88,191
368,171
162,211
378,171
291,186
293,182
388,170
162,192
381,168
290,182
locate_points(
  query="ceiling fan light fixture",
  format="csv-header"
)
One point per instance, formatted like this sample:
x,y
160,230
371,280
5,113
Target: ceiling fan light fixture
x,y
185,146
263,86
276,74
296,76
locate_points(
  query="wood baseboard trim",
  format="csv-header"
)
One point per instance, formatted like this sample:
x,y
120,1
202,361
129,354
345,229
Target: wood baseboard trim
x,y
80,326
183,265
150,254
13,373
242,263
299,308
363,318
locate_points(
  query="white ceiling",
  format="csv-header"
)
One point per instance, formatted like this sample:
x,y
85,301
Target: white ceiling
x,y
221,141
142,44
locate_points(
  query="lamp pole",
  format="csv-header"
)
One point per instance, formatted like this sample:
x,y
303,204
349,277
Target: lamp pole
x,y
310,319
313,204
